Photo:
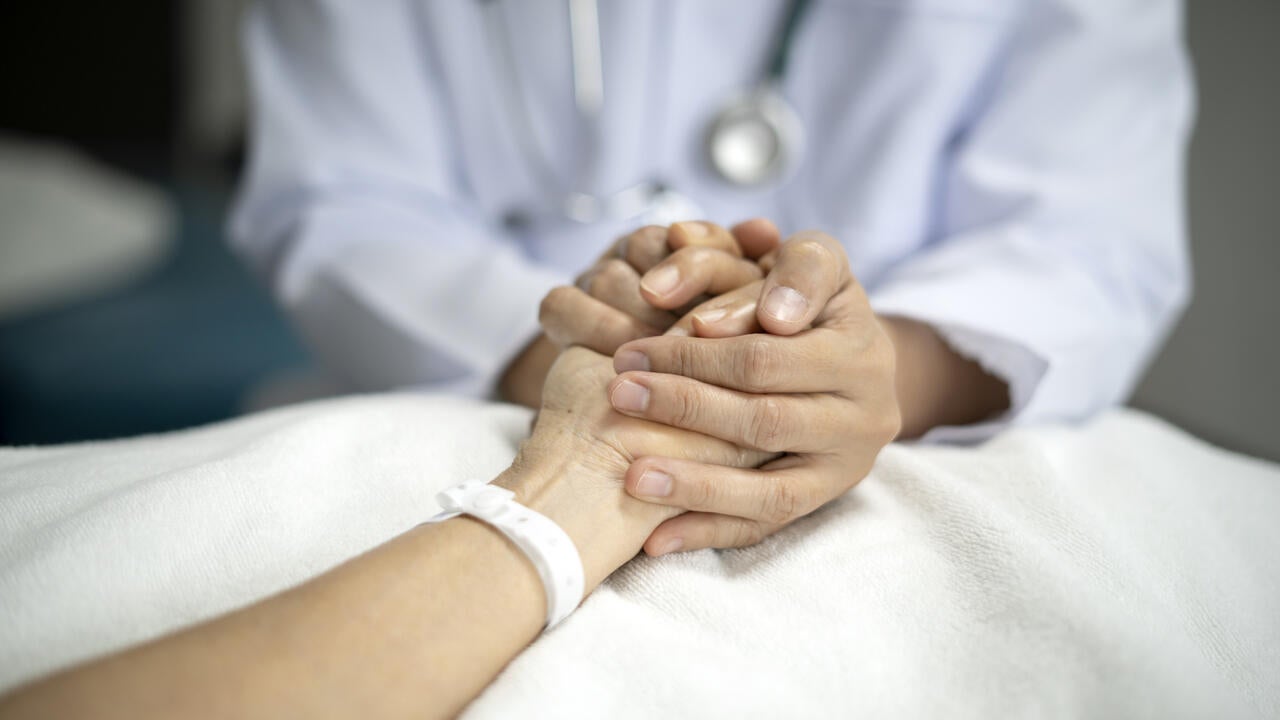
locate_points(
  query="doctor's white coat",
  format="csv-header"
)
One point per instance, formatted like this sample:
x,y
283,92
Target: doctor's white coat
x,y
1010,171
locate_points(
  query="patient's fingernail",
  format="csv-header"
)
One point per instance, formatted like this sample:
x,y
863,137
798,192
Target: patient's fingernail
x,y
661,281
630,360
671,546
629,396
707,317
654,483
785,304
678,331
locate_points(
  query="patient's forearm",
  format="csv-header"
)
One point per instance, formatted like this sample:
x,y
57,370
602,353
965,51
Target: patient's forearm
x,y
413,628
417,626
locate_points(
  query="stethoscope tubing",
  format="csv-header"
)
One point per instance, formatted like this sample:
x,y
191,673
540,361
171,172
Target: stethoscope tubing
x,y
763,105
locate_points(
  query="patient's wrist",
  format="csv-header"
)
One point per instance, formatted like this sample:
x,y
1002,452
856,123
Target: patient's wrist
x,y
578,484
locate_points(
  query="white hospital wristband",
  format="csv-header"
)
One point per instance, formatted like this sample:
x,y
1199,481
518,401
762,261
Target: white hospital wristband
x,y
547,546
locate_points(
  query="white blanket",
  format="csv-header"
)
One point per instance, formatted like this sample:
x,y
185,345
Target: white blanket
x,y
1119,570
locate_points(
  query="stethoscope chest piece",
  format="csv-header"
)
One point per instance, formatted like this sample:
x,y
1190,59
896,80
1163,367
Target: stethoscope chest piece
x,y
756,139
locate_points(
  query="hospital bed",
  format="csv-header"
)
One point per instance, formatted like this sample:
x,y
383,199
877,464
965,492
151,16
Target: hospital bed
x,y
1119,569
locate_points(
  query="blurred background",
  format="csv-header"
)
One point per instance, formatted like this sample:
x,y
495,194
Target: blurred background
x,y
122,311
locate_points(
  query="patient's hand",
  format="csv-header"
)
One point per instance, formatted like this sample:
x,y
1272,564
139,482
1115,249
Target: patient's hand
x,y
609,305
577,459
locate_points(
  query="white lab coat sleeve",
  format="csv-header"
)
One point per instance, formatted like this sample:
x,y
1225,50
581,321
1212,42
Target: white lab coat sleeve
x,y
1060,258
354,210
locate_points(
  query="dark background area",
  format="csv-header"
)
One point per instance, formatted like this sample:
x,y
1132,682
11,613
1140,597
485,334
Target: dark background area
x,y
103,75
154,89
185,343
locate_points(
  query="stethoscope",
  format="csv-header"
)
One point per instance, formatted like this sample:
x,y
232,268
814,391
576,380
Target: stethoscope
x,y
756,139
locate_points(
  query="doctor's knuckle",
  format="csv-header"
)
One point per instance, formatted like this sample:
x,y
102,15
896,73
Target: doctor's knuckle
x,y
846,423
680,360
652,234
612,274
757,364
890,425
741,534
554,303
686,407
646,244
884,420
881,356
700,494
782,502
811,251
875,422
766,427
615,269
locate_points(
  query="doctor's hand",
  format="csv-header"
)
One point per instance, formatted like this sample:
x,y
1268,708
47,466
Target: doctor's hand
x,y
621,297
818,385
830,384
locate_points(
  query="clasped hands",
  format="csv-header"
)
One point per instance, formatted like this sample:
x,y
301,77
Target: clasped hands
x,y
771,346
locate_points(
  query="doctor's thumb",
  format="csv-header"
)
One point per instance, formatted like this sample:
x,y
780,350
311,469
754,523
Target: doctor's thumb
x,y
810,269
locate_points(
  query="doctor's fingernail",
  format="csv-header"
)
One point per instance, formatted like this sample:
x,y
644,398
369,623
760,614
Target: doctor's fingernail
x,y
654,483
661,281
785,304
630,360
629,396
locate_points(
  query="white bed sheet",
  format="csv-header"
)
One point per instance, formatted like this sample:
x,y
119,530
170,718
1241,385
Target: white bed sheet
x,y
1123,569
